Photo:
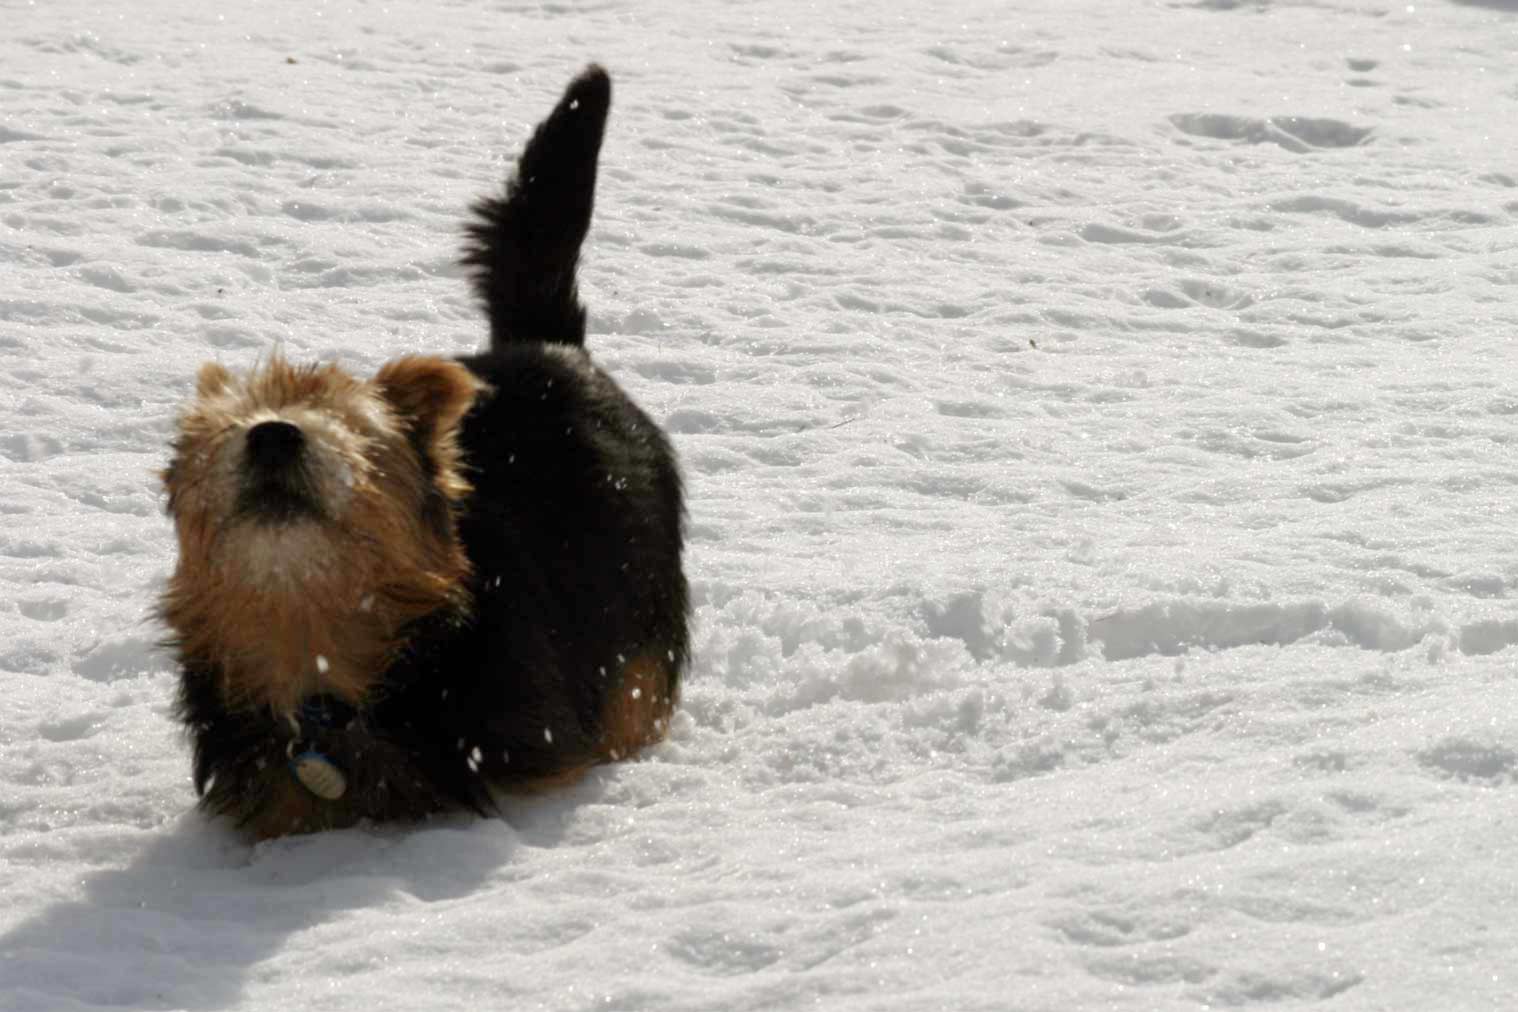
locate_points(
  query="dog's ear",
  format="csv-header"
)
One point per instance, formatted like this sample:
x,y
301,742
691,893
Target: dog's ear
x,y
212,379
429,394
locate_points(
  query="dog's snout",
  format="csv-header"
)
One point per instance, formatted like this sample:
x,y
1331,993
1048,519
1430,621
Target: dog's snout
x,y
271,444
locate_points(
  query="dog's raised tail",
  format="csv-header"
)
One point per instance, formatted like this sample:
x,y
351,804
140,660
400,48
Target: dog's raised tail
x,y
522,249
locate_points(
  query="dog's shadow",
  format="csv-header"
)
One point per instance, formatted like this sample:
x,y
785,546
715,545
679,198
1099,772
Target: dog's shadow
x,y
184,924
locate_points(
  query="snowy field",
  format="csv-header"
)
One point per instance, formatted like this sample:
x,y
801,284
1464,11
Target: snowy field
x,y
1101,428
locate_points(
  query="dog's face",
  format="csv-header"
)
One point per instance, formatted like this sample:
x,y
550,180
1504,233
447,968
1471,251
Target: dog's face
x,y
277,476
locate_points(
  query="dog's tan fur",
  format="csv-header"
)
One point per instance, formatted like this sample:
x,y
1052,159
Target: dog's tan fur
x,y
316,606
638,713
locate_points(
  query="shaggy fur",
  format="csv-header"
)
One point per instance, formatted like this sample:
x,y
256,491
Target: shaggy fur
x,y
454,578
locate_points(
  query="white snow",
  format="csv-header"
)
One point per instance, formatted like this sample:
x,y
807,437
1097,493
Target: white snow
x,y
1099,422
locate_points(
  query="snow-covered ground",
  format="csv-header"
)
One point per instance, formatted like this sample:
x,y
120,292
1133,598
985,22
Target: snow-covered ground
x,y
1101,427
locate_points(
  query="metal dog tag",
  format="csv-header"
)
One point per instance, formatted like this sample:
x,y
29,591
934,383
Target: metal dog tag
x,y
319,775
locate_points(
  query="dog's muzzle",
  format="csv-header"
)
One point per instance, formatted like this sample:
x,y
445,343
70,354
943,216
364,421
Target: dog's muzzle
x,y
276,488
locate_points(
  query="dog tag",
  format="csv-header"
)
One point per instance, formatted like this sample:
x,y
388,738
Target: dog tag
x,y
319,775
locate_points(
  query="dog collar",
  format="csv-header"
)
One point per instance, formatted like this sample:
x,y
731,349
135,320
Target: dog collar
x,y
314,770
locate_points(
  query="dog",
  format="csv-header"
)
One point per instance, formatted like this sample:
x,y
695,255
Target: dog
x,y
409,594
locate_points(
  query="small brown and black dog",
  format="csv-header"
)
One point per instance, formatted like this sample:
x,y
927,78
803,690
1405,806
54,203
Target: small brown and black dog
x,y
398,596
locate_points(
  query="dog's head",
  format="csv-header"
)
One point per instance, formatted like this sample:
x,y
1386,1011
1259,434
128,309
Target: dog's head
x,y
315,510
294,455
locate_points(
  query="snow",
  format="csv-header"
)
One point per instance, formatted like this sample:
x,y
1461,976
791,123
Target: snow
x,y
1099,423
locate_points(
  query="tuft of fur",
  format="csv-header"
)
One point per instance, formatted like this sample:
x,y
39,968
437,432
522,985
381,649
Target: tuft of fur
x,y
455,578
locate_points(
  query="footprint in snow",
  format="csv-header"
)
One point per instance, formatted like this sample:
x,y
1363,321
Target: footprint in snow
x,y
1469,761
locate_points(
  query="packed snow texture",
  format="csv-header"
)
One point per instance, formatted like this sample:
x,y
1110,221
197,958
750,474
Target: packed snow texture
x,y
1099,421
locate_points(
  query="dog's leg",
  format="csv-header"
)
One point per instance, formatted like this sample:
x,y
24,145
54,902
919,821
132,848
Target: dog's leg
x,y
523,248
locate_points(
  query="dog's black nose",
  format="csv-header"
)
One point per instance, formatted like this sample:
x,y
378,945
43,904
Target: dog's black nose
x,y
273,443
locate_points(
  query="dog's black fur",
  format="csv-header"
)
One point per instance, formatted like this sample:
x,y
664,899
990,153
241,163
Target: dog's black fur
x,y
573,531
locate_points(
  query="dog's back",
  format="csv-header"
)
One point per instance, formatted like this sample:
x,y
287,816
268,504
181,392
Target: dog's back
x,y
579,631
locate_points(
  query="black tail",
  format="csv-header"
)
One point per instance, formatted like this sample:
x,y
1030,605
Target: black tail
x,y
522,249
